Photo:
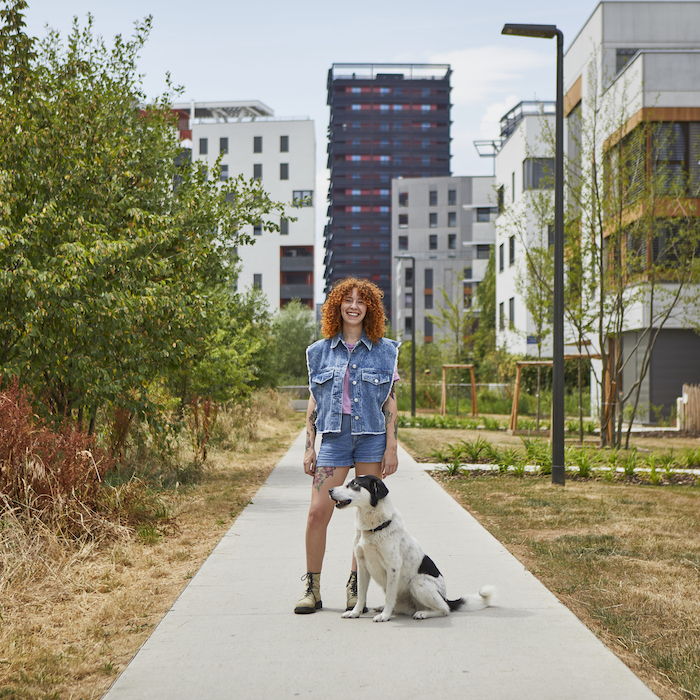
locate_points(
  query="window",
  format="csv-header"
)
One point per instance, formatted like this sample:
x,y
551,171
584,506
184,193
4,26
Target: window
x,y
403,242
428,278
403,199
428,301
408,300
203,147
408,324
483,252
501,316
257,144
223,144
433,198
409,276
284,227
451,197
284,144
483,214
467,273
257,230
433,219
403,220
501,258
623,57
452,241
257,281
303,197
512,187
432,241
428,331
511,309
284,171
511,251
223,175
257,171
451,219
467,293
501,199
538,173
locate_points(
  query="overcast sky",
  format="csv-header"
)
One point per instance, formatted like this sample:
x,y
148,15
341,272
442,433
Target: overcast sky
x,y
279,52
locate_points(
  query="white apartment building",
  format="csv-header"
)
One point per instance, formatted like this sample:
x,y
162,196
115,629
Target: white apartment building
x,y
281,152
445,224
636,64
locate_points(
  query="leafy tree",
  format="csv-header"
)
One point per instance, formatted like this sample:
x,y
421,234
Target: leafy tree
x,y
294,329
115,249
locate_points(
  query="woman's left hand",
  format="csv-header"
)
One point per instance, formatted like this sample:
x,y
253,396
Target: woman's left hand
x,y
390,462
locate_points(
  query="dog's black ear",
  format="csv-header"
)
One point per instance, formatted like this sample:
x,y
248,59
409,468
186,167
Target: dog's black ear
x,y
377,490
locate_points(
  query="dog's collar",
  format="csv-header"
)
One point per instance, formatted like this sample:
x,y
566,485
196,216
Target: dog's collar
x,y
380,527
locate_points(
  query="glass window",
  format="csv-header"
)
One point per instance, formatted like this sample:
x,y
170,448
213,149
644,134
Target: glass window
x,y
223,175
501,258
501,316
223,144
257,171
428,330
452,241
433,219
467,273
538,174
433,198
451,219
403,220
432,241
284,171
257,230
409,276
284,227
257,281
451,197
403,242
257,144
305,198
408,324
408,301
284,144
483,214
511,251
203,147
483,252
403,199
511,309
428,301
428,278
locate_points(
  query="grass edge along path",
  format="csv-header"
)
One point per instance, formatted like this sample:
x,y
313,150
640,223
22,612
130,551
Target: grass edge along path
x,y
621,554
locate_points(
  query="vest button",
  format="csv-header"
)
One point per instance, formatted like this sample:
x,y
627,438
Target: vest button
x,y
354,366
356,400
357,417
354,382
376,381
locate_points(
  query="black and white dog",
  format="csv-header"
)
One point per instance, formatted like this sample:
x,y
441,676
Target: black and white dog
x,y
385,551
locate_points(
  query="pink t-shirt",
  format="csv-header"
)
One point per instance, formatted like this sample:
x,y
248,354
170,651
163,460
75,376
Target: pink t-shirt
x,y
346,383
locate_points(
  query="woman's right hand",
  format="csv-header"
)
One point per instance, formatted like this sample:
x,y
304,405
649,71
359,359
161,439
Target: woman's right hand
x,y
310,461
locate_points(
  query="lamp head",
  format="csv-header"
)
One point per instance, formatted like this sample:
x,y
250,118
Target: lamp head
x,y
541,31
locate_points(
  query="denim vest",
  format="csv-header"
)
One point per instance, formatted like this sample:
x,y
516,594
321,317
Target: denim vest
x,y
372,367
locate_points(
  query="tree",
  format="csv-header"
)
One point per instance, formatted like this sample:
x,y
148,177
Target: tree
x,y
115,248
294,329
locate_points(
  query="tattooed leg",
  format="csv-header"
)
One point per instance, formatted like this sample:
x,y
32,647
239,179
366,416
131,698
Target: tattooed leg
x,y
322,473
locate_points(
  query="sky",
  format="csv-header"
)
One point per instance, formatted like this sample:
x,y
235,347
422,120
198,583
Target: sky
x,y
279,52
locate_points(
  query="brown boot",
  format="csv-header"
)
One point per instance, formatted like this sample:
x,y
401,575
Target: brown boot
x,y
310,602
351,591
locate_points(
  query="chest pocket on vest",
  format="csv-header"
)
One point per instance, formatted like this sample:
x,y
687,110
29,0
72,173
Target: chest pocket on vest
x,y
322,377
376,378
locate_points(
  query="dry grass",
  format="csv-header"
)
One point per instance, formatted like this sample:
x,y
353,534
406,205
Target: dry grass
x,y
624,558
72,614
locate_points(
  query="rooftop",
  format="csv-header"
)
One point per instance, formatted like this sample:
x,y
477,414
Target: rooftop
x,y
390,71
224,111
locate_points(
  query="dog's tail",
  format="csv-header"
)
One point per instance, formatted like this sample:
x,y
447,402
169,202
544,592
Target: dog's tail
x,y
484,599
455,604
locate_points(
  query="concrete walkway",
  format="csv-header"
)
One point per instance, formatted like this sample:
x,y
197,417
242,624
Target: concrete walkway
x,y
232,632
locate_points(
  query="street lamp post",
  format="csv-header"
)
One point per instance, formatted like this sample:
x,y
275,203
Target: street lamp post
x,y
549,31
413,332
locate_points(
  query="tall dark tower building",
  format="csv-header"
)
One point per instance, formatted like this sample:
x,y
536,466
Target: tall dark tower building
x,y
387,121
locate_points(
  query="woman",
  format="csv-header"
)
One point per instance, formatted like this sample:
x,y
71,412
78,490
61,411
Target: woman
x,y
353,405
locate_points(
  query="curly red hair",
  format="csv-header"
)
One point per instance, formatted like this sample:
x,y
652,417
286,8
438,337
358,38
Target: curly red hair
x,y
374,323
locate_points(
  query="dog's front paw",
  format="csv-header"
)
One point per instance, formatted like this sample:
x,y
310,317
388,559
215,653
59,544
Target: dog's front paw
x,y
355,612
420,615
382,617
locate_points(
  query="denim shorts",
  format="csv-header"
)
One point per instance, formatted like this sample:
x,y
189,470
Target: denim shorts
x,y
343,449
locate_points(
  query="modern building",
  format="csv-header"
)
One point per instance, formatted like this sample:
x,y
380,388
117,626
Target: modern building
x,y
281,152
632,107
386,121
442,236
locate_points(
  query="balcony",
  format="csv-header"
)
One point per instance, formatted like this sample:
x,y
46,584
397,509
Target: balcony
x,y
296,291
298,264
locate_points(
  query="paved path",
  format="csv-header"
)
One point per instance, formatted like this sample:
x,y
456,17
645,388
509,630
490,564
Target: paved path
x,y
232,633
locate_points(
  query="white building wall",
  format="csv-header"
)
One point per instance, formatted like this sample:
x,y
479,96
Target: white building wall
x,y
263,258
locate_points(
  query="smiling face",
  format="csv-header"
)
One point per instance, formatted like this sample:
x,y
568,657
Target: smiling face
x,y
353,309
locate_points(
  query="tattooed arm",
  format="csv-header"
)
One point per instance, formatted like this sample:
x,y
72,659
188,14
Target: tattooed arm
x,y
310,440
390,462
